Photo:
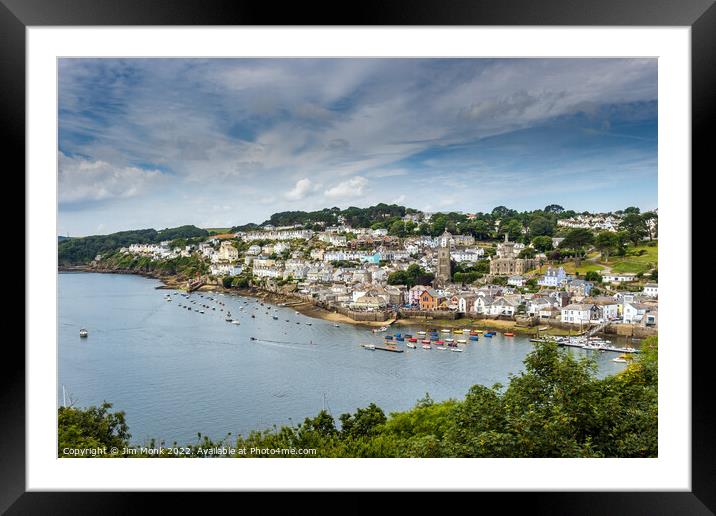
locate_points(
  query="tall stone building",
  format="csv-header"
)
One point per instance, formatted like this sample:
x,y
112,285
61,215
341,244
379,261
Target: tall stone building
x,y
443,273
505,262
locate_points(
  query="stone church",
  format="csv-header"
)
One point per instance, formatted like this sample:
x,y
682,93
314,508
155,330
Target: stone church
x,y
505,262
443,272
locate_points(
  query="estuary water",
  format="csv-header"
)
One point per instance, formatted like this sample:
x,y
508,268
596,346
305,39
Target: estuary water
x,y
176,372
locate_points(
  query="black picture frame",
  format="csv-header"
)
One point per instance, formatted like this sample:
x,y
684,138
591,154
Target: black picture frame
x,y
700,15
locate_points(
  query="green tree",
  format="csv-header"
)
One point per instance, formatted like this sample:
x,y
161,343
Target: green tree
x,y
527,252
364,422
542,243
541,226
606,242
577,240
652,229
93,427
634,226
593,276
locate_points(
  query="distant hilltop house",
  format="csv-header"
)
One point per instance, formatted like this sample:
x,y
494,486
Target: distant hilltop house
x,y
505,262
596,222
291,234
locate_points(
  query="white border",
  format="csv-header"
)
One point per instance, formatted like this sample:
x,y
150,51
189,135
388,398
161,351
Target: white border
x,y
671,471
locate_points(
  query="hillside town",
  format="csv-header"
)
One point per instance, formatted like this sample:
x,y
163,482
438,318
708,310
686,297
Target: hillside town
x,y
369,275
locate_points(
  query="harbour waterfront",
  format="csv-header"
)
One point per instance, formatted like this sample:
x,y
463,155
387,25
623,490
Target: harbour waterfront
x,y
176,372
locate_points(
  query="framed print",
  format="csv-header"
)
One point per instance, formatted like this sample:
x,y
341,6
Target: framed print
x,y
420,253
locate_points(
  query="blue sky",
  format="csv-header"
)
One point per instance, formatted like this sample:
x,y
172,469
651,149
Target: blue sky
x,y
219,142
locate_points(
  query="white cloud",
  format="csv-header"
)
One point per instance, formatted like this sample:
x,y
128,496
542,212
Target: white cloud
x,y
95,180
352,188
302,188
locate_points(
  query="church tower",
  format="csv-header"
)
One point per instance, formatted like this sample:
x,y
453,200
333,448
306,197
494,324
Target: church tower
x,y
443,274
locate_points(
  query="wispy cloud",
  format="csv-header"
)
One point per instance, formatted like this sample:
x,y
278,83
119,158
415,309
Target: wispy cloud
x,y
311,131
83,180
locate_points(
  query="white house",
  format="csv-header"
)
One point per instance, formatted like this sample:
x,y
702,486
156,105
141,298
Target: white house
x,y
268,272
225,269
466,303
608,307
467,255
651,290
578,314
482,304
634,313
539,305
613,277
502,306
516,281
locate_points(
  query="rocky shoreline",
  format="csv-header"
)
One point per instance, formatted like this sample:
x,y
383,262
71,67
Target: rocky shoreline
x,y
171,282
311,310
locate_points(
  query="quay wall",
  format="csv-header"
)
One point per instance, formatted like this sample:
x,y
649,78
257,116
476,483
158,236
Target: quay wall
x,y
631,330
429,314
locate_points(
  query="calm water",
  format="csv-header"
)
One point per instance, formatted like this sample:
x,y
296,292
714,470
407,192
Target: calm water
x,y
176,372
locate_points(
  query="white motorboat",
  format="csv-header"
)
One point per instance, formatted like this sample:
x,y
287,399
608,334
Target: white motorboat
x,y
235,322
411,345
369,346
457,350
83,333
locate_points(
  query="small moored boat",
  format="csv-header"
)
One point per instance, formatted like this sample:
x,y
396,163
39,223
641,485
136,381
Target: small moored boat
x,y
83,333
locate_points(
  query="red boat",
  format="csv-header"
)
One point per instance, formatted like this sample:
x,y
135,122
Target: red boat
x,y
508,334
440,343
425,341
412,339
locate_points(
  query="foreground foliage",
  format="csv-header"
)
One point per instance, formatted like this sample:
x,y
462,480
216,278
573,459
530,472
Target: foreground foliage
x,y
556,407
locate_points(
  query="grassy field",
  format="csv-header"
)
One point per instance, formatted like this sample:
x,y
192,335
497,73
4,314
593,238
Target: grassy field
x,y
216,231
636,264
571,268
